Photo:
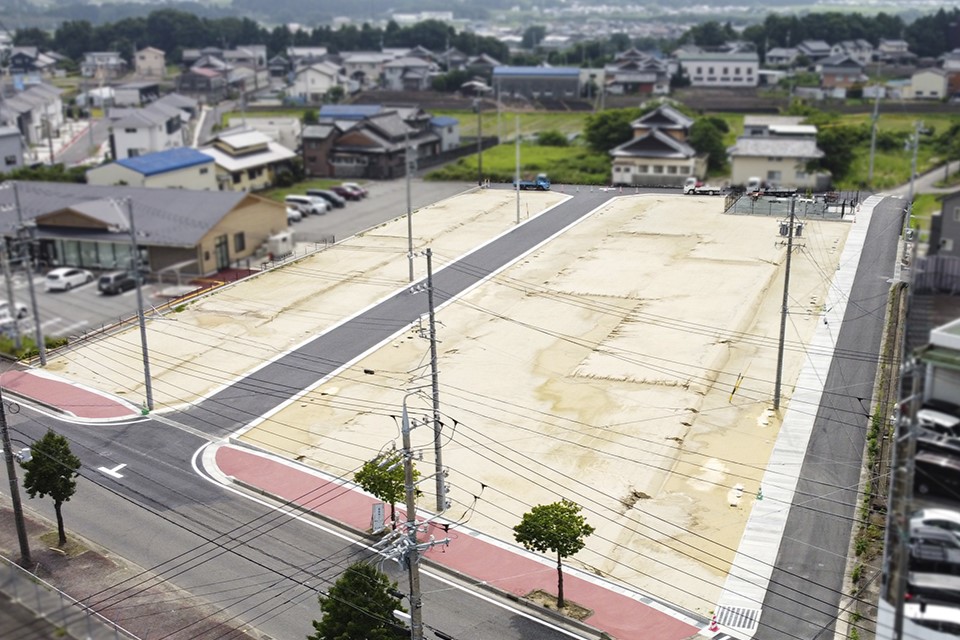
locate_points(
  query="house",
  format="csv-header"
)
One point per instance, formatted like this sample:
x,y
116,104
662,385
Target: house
x,y
776,149
108,65
409,74
135,94
200,232
448,130
247,160
482,66
177,168
535,83
719,68
859,50
894,52
814,50
635,72
135,132
365,68
279,66
150,62
658,154
285,131
206,84
185,104
782,56
840,72
453,59
253,55
11,149
928,84
37,112
945,227
312,82
302,56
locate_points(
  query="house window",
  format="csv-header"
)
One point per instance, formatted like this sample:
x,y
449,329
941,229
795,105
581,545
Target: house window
x,y
684,170
239,242
726,71
946,244
129,130
736,71
237,177
642,168
749,71
710,71
658,168
773,176
204,170
10,160
672,170
956,214
699,71
774,159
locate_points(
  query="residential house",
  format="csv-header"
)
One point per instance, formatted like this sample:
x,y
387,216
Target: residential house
x,y
196,232
11,149
150,62
177,168
135,132
814,50
31,62
247,160
108,65
928,84
253,55
37,112
635,72
135,94
312,82
409,74
719,68
286,131
840,72
207,85
365,68
185,104
658,154
776,149
303,56
482,66
860,50
279,66
448,130
453,59
536,83
782,56
190,57
894,52
945,228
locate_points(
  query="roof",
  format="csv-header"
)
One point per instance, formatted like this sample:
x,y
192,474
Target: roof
x,y
314,131
349,111
408,61
750,56
654,144
151,50
274,153
444,121
663,117
555,72
775,147
165,161
243,138
769,121
782,52
8,131
178,218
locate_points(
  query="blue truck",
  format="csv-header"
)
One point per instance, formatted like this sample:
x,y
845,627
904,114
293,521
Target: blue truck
x,y
541,183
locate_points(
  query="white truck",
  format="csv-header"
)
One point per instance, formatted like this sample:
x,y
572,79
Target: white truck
x,y
693,186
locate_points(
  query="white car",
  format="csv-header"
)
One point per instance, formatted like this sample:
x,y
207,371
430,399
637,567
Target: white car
x,y
940,518
22,310
293,215
66,278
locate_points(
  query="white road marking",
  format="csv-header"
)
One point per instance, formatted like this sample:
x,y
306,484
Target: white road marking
x,y
115,472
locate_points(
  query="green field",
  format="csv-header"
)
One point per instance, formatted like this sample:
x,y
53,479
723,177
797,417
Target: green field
x,y
568,165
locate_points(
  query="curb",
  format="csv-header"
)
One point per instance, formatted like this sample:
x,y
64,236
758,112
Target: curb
x,y
548,614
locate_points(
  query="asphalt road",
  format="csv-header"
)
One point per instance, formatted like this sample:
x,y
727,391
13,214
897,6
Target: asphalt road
x,y
807,584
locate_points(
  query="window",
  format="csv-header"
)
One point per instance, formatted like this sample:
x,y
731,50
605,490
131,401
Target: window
x,y
775,159
726,71
956,214
684,171
773,176
239,242
237,177
672,170
658,168
10,160
133,153
946,244
204,170
699,71
130,130
736,71
749,71
642,168
710,71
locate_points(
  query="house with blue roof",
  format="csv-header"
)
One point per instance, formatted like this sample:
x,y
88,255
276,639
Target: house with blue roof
x,y
448,128
177,168
537,83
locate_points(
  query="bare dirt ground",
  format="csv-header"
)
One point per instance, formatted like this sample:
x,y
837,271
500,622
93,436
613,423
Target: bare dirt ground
x,y
627,365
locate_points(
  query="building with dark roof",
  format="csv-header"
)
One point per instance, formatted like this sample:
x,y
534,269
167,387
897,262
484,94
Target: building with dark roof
x,y
658,154
180,167
534,83
87,226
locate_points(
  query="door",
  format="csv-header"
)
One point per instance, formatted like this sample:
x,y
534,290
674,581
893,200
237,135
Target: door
x,y
222,252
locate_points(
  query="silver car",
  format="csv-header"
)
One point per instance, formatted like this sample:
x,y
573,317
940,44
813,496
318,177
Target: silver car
x,y
66,278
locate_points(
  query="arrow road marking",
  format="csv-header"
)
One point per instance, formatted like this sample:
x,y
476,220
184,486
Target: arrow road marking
x,y
113,472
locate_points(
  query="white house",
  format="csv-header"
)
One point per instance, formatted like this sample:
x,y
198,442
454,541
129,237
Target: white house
x,y
178,168
719,69
776,149
285,131
408,74
135,132
365,67
109,64
311,83
11,149
150,62
927,84
448,129
781,56
37,111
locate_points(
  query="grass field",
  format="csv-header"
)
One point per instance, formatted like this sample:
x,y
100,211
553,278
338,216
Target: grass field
x,y
568,165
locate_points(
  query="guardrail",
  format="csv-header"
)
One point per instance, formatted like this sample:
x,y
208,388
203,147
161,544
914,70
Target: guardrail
x,y
69,616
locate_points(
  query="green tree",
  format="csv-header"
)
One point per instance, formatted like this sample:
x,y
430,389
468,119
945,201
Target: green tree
x,y
707,137
605,130
532,36
552,138
383,477
334,94
52,470
359,606
838,143
74,38
556,527
310,116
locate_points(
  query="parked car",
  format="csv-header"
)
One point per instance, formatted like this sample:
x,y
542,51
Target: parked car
x,y
305,204
933,558
929,441
933,587
66,278
346,194
933,536
320,203
333,199
936,617
933,417
22,310
293,215
356,187
946,519
116,282
936,473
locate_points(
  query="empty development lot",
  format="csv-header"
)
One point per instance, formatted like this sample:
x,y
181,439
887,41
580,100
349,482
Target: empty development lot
x,y
627,364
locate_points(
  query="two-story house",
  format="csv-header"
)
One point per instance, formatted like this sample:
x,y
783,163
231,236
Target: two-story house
x,y
778,150
103,64
11,149
365,68
247,160
894,51
719,68
860,50
814,50
409,74
840,72
150,62
135,132
312,82
37,112
177,168
781,56
206,84
658,154
635,72
928,84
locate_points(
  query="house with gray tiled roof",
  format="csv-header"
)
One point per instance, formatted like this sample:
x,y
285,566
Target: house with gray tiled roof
x,y
776,149
658,154
409,73
135,132
840,72
781,56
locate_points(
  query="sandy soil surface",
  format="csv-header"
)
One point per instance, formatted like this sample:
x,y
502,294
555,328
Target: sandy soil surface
x,y
627,365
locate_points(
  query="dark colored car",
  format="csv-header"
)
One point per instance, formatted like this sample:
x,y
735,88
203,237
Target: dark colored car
x,y
346,193
116,282
936,473
331,197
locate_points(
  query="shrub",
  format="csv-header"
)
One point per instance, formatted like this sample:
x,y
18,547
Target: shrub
x,y
552,138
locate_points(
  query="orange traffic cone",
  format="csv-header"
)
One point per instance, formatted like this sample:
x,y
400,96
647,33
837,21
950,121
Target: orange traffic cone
x,y
713,624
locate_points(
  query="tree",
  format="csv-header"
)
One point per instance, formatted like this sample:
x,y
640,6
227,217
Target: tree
x,y
552,138
707,137
532,36
608,129
838,143
383,477
556,527
310,117
359,606
52,470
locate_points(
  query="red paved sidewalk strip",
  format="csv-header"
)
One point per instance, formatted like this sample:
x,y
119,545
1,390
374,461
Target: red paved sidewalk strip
x,y
72,399
480,559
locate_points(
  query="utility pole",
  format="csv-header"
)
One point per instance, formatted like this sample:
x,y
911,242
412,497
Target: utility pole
x,y
783,309
873,134
516,178
479,144
409,163
412,555
135,259
17,339
14,487
27,265
435,384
